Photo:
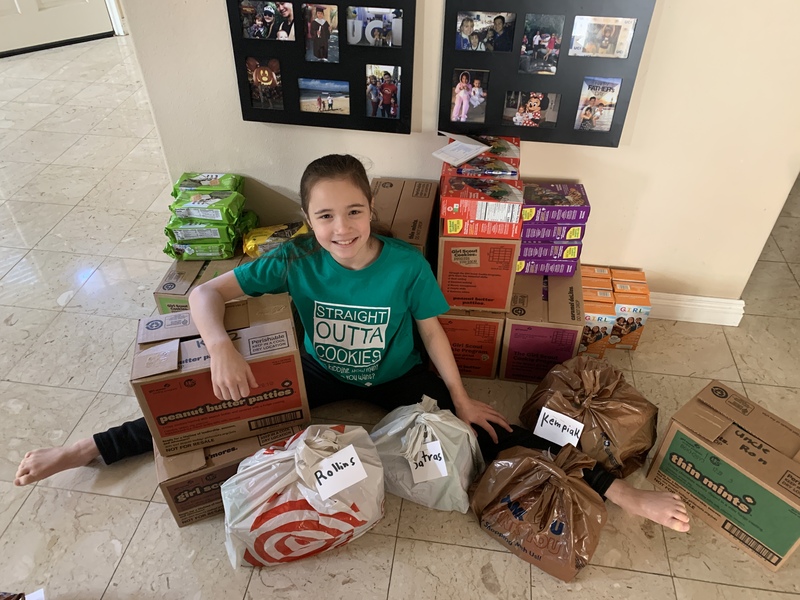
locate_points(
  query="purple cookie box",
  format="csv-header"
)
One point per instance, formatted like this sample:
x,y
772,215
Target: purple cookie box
x,y
552,232
544,266
550,250
572,203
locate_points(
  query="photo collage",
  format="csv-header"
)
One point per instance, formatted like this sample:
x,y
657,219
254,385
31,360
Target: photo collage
x,y
549,78
339,61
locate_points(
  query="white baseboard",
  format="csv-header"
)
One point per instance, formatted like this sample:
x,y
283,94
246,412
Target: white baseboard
x,y
696,309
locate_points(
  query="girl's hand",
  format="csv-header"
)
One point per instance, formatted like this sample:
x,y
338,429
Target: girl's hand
x,y
231,376
474,412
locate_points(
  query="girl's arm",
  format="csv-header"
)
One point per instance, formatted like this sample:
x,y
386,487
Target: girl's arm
x,y
231,376
469,410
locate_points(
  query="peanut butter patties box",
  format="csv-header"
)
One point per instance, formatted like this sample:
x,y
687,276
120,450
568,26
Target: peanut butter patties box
x,y
190,482
172,379
737,467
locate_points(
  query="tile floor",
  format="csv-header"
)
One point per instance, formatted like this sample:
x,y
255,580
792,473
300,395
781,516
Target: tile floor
x,y
83,194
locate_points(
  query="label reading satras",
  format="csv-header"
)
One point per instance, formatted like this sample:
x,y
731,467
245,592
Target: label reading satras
x,y
756,513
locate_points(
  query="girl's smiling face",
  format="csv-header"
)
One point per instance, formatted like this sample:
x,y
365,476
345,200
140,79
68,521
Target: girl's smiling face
x,y
339,215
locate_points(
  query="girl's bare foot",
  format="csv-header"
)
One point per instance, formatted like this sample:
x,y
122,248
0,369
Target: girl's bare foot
x,y
44,462
665,508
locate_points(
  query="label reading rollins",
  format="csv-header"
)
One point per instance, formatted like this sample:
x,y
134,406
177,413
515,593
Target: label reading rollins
x,y
351,340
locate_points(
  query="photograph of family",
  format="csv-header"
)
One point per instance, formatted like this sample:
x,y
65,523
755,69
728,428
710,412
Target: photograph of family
x,y
378,27
264,76
485,32
598,100
321,23
324,96
604,37
383,91
267,20
470,90
541,44
531,109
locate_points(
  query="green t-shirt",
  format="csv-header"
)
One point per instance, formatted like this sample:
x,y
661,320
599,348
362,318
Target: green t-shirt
x,y
358,324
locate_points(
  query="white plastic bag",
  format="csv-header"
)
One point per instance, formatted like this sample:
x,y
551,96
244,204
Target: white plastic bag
x,y
401,435
273,511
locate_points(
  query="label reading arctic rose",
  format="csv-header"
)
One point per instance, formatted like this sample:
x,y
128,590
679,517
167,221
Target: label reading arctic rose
x,y
338,472
428,464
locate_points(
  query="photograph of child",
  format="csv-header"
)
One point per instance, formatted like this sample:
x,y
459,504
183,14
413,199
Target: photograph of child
x,y
265,20
383,91
541,44
470,91
321,29
379,27
485,32
597,103
531,109
324,96
604,37
264,76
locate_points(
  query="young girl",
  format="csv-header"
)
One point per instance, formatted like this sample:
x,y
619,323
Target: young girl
x,y
462,91
477,95
464,31
344,267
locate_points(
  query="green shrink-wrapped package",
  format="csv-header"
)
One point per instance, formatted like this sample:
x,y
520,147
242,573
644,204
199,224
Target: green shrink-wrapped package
x,y
208,182
216,207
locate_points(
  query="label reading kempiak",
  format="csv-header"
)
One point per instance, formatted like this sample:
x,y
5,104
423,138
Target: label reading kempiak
x,y
533,351
477,275
474,345
186,402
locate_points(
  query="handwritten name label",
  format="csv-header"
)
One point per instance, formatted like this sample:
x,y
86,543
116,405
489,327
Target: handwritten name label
x,y
429,463
557,428
338,472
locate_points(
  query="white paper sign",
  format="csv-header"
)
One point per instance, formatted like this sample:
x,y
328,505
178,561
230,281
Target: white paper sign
x,y
558,428
338,472
428,463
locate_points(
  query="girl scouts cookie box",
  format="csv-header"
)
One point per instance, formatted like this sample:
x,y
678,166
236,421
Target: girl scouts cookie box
x,y
482,166
475,338
209,182
554,203
631,311
214,206
481,208
599,318
553,232
596,272
504,148
546,266
552,250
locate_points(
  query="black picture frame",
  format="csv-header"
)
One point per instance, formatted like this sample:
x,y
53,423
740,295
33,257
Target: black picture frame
x,y
503,68
352,65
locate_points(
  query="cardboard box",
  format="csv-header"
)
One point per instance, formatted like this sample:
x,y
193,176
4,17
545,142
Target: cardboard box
x,y
190,482
540,334
554,203
547,266
628,275
595,271
599,319
475,338
737,467
477,274
632,312
481,207
171,377
630,287
172,293
406,207
597,283
597,295
550,250
553,232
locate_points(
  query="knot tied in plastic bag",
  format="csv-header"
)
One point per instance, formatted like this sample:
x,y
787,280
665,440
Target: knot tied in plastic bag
x,y
429,455
319,490
541,509
619,423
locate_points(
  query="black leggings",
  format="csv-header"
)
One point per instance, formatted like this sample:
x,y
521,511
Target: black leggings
x,y
133,438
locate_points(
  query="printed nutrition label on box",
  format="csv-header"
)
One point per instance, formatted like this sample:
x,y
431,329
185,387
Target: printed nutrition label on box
x,y
197,233
211,214
498,212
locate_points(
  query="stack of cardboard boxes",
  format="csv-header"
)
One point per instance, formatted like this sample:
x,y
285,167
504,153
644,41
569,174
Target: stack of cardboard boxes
x,y
617,305
496,316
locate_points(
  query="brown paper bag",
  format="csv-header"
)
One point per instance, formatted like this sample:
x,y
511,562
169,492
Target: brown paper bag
x,y
541,509
619,423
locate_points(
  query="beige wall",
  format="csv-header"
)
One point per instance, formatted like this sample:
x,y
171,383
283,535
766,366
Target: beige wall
x,y
710,149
